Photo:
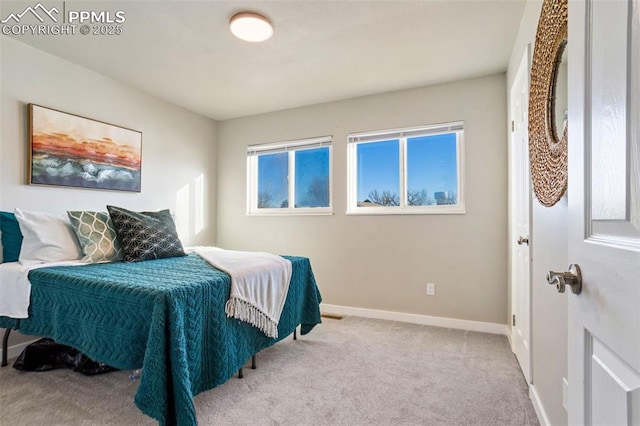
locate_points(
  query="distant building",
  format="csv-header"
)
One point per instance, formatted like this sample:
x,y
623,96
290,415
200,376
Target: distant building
x,y
441,198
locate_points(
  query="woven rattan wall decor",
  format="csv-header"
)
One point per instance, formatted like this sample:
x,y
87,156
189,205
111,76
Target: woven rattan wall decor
x,y
547,150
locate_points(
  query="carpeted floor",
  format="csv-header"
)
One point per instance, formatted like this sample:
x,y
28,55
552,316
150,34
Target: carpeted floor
x,y
352,371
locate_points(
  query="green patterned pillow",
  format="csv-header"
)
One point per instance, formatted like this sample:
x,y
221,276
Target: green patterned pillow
x,y
96,236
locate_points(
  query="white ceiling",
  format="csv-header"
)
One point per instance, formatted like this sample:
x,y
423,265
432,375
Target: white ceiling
x,y
183,52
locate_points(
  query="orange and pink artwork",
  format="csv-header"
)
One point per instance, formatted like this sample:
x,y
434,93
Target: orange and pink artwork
x,y
69,150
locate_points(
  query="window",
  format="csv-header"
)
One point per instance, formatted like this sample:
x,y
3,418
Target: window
x,y
290,177
407,171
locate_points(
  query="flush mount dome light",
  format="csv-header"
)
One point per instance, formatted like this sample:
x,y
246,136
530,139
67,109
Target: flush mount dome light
x,y
250,26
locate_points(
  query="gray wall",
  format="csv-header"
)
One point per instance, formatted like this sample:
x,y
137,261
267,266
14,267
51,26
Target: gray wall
x,y
177,146
384,262
548,251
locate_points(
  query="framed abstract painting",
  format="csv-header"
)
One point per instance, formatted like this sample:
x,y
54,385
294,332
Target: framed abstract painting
x,y
70,150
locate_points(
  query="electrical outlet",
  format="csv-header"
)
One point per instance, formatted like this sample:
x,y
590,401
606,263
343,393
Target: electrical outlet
x,y
431,289
565,392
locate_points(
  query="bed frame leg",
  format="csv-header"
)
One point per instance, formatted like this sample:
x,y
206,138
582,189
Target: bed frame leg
x,y
240,375
253,362
5,347
295,334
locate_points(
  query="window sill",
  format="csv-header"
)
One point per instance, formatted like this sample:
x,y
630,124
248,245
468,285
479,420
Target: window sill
x,y
293,213
378,211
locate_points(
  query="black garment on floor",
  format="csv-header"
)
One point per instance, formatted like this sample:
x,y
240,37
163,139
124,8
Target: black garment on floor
x,y
45,354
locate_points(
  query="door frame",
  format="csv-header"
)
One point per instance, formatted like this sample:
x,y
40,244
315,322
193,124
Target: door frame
x,y
512,232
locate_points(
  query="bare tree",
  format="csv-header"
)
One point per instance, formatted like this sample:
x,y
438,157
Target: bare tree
x,y
386,198
417,197
265,199
317,194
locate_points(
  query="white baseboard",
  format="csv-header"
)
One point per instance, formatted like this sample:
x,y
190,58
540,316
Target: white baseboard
x,y
538,407
484,327
15,350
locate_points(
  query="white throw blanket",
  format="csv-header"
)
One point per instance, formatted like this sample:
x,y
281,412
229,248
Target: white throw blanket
x,y
259,285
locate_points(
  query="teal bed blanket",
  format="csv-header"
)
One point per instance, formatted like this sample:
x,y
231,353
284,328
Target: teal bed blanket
x,y
164,316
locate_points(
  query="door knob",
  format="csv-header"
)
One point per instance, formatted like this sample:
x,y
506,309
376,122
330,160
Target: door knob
x,y
572,278
523,240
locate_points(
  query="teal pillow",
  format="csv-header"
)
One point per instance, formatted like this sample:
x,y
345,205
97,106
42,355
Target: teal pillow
x,y
11,237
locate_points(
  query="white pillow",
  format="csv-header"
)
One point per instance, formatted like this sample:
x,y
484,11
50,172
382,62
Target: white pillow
x,y
46,238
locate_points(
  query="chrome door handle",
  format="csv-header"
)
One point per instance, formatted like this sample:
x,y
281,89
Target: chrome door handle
x,y
572,278
523,240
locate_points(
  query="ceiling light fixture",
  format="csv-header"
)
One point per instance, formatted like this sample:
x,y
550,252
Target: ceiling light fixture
x,y
250,26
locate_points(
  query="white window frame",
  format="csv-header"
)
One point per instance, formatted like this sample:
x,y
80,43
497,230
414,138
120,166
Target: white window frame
x,y
254,151
402,135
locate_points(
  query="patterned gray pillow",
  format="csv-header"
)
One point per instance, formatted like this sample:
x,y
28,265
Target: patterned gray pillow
x,y
146,235
96,236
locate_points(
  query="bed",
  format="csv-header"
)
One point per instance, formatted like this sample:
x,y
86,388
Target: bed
x,y
166,317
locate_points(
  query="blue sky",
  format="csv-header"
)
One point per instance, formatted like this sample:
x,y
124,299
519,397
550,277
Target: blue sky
x,y
431,165
378,167
272,176
311,164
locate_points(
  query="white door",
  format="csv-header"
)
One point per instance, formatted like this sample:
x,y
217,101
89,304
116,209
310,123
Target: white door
x,y
604,211
519,218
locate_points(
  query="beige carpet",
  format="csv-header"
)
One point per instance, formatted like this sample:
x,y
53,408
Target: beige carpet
x,y
346,372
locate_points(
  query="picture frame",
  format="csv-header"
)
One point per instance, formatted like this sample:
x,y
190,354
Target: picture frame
x,y
69,150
